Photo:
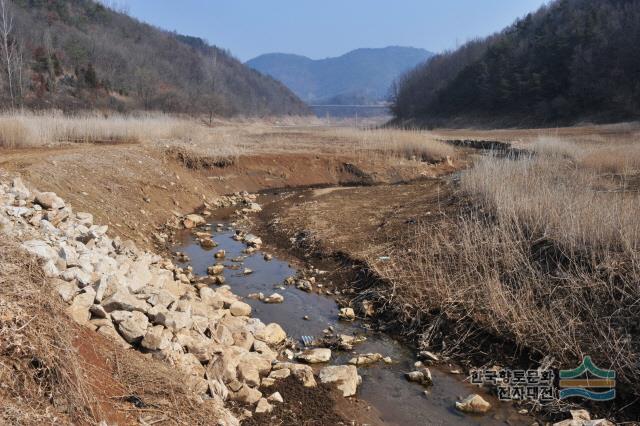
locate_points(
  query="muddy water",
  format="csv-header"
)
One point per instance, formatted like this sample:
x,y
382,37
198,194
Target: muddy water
x,y
383,386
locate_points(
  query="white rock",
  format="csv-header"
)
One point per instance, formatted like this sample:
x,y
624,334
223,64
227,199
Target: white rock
x,y
272,334
17,211
69,255
263,406
139,275
156,338
19,189
211,298
246,395
193,220
274,298
365,359
313,356
347,314
85,218
238,309
135,327
76,274
40,249
66,290
119,316
252,240
174,320
473,404
50,269
345,376
304,373
124,301
79,309
275,397
98,311
49,200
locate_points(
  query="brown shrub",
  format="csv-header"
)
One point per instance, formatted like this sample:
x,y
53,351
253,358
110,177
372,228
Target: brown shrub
x,y
541,256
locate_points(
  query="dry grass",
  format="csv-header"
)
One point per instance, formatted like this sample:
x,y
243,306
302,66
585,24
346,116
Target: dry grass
x,y
604,156
53,371
403,144
39,371
22,129
546,255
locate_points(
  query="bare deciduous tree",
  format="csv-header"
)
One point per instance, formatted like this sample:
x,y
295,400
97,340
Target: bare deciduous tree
x,y
12,55
6,28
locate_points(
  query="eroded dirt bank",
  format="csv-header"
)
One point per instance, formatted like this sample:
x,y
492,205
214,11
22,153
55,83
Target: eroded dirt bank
x,y
136,189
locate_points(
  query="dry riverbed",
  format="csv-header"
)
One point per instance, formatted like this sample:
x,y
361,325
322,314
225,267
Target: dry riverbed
x,y
210,344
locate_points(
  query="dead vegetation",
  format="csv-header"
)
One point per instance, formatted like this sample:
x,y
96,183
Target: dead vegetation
x,y
30,129
401,144
543,250
38,364
55,372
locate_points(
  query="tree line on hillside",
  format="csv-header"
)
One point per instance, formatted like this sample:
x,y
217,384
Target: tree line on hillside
x,y
79,54
571,60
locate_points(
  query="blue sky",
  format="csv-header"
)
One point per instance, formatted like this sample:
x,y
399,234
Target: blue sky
x,y
322,28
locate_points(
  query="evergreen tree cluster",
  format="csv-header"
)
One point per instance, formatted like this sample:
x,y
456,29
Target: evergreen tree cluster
x,y
572,60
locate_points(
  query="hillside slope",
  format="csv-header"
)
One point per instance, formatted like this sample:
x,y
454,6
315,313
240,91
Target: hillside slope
x,y
570,61
78,54
361,76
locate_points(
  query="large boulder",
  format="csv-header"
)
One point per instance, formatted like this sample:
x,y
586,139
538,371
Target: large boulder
x,y
263,406
174,320
272,334
304,373
69,255
240,309
189,364
225,364
49,200
135,327
79,308
211,298
246,395
139,275
66,290
122,300
41,249
345,376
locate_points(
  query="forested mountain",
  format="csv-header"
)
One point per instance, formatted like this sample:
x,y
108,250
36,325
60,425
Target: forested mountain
x,y
572,60
362,76
79,54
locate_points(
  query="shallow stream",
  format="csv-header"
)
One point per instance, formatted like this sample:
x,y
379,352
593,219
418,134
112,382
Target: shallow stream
x,y
384,386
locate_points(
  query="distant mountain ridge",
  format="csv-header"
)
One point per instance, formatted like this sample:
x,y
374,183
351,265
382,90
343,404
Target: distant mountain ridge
x,y
362,76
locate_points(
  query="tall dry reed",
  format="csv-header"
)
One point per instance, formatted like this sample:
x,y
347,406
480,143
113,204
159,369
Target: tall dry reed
x,y
545,253
26,129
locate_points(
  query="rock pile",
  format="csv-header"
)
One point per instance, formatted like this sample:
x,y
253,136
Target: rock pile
x,y
143,301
